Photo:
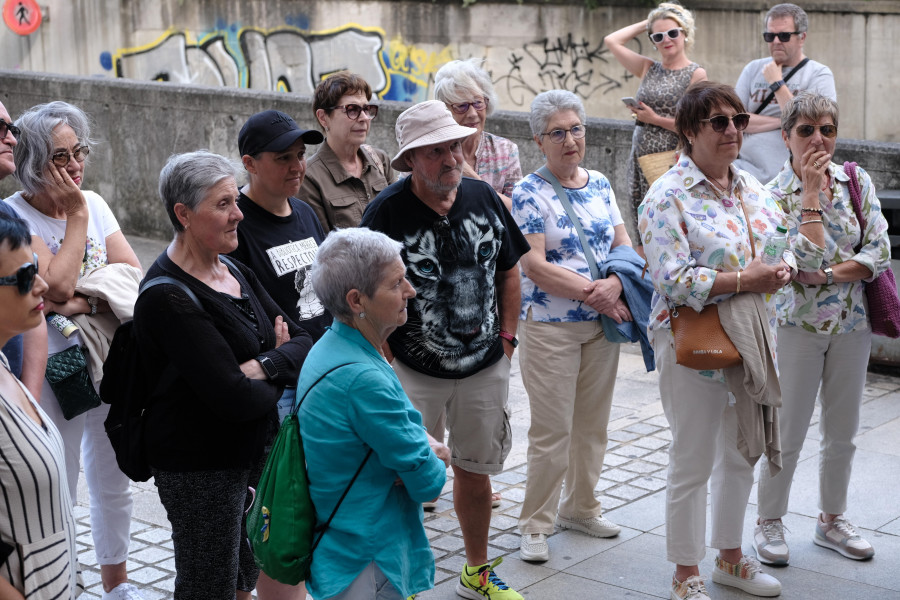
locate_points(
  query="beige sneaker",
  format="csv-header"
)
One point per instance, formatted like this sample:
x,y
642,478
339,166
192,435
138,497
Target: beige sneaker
x,y
840,535
692,588
768,541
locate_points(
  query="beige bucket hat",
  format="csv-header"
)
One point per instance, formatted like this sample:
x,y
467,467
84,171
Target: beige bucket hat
x,y
424,124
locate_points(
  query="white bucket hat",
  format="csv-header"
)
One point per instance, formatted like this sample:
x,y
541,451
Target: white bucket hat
x,y
424,124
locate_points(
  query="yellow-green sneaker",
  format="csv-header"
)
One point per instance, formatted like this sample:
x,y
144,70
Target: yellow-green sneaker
x,y
484,583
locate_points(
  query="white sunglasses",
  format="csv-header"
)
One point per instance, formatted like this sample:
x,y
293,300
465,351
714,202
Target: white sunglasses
x,y
661,35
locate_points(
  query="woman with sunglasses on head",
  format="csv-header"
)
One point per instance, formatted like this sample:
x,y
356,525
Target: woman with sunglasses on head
x,y
38,555
346,173
74,232
468,92
568,363
824,335
670,28
704,226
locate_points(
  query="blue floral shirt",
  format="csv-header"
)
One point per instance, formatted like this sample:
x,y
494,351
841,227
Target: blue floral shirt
x,y
537,209
839,307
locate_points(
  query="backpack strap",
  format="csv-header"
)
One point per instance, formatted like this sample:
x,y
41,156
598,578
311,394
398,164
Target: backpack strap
x,y
171,280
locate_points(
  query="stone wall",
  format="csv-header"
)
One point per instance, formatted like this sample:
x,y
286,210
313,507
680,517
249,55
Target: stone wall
x,y
398,45
140,124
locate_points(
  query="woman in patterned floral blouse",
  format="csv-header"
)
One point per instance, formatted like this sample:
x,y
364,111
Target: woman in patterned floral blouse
x,y
697,242
823,327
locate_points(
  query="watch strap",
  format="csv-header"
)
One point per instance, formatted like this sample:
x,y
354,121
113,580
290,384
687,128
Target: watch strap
x,y
268,366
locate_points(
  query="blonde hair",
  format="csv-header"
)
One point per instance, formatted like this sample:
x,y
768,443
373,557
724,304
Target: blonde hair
x,y
679,14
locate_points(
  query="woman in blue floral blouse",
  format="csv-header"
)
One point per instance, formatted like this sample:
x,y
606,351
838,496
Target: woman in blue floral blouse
x,y
823,329
568,364
697,241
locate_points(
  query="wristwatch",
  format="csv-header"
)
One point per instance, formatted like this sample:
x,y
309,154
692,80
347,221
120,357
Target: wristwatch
x,y
92,302
510,338
829,276
268,366
774,87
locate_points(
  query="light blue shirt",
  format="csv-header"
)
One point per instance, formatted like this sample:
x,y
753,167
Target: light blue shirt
x,y
355,407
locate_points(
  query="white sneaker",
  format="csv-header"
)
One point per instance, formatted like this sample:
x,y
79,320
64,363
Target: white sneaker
x,y
692,588
747,575
768,541
841,536
600,527
123,591
534,548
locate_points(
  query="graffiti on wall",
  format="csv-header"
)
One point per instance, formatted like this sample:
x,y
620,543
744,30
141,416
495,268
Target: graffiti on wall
x,y
563,63
284,59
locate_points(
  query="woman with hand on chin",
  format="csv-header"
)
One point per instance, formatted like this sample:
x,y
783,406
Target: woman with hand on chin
x,y
670,28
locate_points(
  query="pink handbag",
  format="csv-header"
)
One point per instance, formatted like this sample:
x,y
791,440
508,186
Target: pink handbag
x,y
884,305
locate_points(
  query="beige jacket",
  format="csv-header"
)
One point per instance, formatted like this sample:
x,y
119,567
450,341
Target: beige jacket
x,y
754,383
118,284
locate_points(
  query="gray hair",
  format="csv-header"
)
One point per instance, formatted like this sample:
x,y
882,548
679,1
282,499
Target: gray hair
x,y
188,177
461,80
677,13
810,106
547,104
801,21
348,259
35,147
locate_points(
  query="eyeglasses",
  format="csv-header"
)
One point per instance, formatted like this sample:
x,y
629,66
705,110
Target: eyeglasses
x,y
719,123
783,36
61,159
24,277
8,127
354,110
661,35
462,108
828,131
558,136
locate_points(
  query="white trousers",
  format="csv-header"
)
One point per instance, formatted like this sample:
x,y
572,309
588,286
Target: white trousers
x,y
703,450
839,362
109,488
569,371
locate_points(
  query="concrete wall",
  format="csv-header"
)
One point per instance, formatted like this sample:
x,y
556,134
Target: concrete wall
x,y
140,124
398,45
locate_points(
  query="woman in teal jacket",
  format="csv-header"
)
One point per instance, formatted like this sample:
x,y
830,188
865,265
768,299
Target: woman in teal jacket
x,y
376,545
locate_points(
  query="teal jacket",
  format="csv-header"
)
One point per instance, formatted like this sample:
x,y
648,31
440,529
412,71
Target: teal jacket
x,y
355,407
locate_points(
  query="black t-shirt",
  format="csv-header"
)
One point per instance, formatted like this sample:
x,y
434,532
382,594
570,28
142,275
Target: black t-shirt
x,y
281,250
452,329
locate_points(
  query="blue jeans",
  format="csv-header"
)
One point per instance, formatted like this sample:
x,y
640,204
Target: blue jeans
x,y
286,403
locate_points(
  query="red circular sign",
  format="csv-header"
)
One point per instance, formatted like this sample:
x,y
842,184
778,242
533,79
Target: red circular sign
x,y
22,16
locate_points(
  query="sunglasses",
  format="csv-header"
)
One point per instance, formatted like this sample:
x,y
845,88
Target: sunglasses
x,y
783,36
462,108
719,123
661,35
828,131
558,136
8,127
24,277
354,110
61,159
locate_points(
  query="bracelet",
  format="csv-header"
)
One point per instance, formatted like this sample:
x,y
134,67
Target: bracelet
x,y
738,290
812,211
811,221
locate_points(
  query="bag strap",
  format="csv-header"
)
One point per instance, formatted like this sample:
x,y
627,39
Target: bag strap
x,y
327,523
172,281
545,174
771,96
856,197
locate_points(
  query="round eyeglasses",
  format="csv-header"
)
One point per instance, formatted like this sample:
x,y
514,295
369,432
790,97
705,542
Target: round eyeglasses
x,y
61,159
558,136
23,278
354,110
462,108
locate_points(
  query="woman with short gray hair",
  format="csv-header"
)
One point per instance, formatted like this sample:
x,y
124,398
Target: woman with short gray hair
x,y
223,352
354,404
74,232
467,91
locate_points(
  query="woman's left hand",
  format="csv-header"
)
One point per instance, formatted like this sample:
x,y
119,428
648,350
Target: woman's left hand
x,y
644,114
602,294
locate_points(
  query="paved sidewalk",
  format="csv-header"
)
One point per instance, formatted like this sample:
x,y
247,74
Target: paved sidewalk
x,y
632,565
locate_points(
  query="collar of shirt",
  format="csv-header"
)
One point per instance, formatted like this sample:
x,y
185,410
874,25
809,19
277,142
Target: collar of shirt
x,y
789,183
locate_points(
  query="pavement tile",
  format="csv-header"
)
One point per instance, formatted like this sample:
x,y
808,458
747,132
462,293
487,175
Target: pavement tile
x,y
627,492
503,522
614,460
516,494
441,523
652,484
642,467
147,575
510,477
623,436
449,543
618,475
660,458
650,443
509,542
150,555
643,429
562,586
609,503
632,451
154,535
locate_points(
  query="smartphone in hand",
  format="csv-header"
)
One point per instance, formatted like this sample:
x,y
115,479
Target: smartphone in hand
x,y
629,101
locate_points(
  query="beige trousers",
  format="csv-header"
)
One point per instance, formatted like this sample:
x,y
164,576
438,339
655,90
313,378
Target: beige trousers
x,y
569,370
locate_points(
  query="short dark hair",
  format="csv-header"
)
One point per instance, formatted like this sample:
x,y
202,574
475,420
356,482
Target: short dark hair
x,y
14,231
337,85
801,21
697,103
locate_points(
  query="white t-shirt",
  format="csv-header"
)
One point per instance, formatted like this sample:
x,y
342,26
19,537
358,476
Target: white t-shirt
x,y
101,224
763,154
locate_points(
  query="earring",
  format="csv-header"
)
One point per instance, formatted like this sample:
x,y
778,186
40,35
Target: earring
x,y
362,315
690,142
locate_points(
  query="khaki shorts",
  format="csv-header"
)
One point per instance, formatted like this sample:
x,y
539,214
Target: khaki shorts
x,y
473,409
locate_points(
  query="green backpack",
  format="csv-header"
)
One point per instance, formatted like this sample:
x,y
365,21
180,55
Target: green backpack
x,y
282,520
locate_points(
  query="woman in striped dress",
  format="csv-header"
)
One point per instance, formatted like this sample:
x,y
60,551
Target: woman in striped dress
x,y
38,558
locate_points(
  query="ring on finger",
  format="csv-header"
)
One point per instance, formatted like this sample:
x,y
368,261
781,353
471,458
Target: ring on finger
x,y
816,164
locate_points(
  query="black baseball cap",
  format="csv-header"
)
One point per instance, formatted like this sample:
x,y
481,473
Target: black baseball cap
x,y
273,131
